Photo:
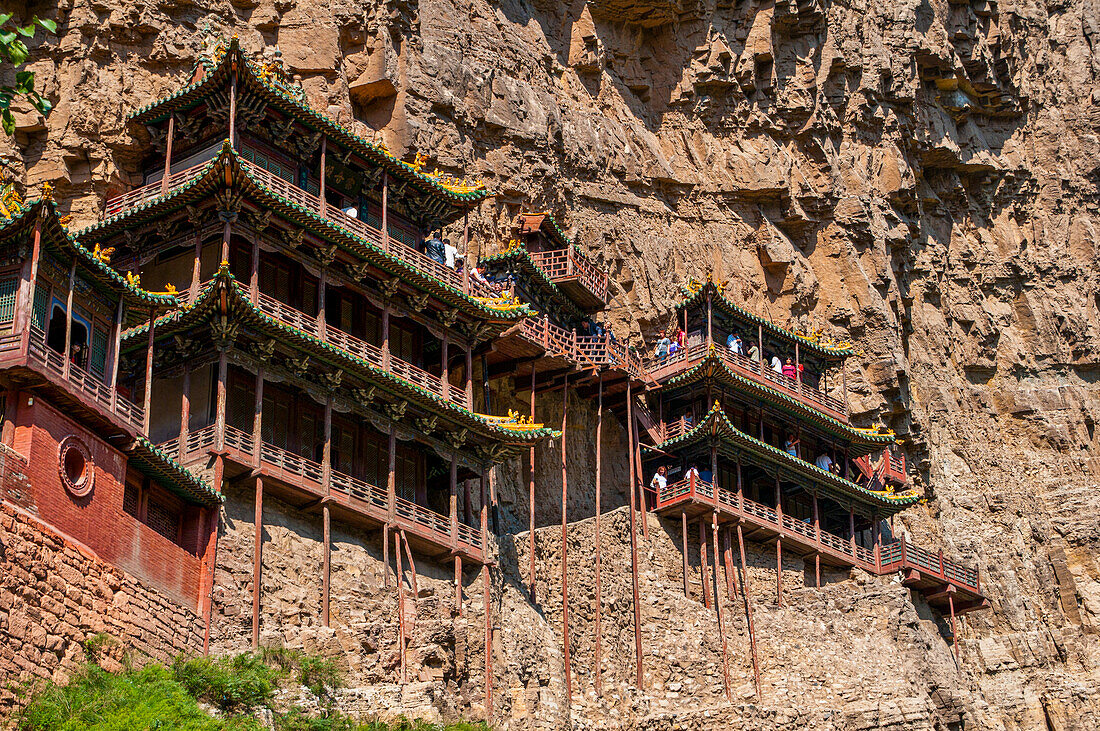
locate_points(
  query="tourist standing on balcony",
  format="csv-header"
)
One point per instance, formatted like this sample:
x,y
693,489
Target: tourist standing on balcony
x,y
791,446
436,250
663,345
788,370
659,481
733,342
692,472
824,461
681,338
450,253
777,365
754,352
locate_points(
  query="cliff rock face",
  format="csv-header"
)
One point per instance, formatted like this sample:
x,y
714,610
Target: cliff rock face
x,y
919,175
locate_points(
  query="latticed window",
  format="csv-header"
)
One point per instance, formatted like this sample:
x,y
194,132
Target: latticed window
x,y
97,364
272,166
8,288
163,519
41,305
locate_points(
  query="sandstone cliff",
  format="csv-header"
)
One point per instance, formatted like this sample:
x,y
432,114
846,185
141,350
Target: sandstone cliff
x,y
919,175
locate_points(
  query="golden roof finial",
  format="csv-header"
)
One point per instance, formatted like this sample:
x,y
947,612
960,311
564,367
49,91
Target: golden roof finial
x,y
47,191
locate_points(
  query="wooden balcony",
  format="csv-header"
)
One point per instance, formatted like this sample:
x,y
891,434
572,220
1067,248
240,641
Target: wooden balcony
x,y
576,275
924,570
436,534
581,350
891,471
662,369
71,379
145,194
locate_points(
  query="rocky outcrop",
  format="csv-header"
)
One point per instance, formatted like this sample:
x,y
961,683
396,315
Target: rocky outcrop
x,y
919,176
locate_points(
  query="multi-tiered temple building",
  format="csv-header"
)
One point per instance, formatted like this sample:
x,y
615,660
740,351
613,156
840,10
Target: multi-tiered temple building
x,y
260,315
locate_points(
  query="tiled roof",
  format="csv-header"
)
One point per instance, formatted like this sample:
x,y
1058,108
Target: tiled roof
x,y
716,425
155,464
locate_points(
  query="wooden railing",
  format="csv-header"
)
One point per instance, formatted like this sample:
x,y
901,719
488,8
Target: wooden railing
x,y
146,193
892,558
584,350
369,233
79,380
375,500
892,468
374,355
569,263
661,368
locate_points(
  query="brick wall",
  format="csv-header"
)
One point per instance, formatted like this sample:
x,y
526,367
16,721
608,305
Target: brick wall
x,y
98,520
56,593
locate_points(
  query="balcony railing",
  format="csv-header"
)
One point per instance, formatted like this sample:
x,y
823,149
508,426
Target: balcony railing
x,y
146,193
892,557
568,264
661,368
584,350
291,467
83,383
293,193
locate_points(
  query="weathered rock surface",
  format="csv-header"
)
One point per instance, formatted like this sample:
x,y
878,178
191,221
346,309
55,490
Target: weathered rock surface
x,y
919,175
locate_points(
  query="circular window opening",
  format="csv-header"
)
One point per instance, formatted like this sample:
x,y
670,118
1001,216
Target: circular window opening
x,y
75,466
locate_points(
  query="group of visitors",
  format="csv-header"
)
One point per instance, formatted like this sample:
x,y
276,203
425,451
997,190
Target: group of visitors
x,y
660,477
440,249
667,346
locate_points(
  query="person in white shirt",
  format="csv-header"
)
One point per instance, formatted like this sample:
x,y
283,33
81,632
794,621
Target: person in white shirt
x,y
692,472
824,461
777,365
450,251
659,481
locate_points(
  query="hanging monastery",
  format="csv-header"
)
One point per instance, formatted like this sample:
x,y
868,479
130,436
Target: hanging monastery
x,y
243,331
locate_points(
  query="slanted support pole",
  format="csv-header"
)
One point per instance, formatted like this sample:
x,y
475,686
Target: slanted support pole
x,y
68,357
400,607
599,485
168,154
385,211
704,570
487,591
565,545
639,679
684,540
322,205
460,604
326,564
257,561
116,350
531,499
718,608
727,560
748,610
954,632
149,373
639,482
258,418
185,411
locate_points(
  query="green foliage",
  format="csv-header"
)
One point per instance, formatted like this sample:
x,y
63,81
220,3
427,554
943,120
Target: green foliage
x,y
317,674
14,51
95,700
296,720
97,645
232,684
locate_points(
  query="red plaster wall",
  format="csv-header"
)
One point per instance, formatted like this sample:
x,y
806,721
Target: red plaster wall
x,y
98,520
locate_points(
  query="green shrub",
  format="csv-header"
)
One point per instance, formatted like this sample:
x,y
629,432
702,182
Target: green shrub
x,y
95,700
233,684
317,673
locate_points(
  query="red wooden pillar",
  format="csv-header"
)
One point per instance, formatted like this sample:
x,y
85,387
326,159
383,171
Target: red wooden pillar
x,y
684,540
748,610
257,561
564,544
168,154
704,570
400,607
233,107
385,211
718,608
634,541
817,541
852,531
223,369
149,372
459,602
322,205
487,591
386,336
954,633
326,567
185,411
779,543
599,485
258,418
531,499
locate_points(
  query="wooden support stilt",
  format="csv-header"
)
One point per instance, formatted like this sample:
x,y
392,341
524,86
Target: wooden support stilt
x,y
748,610
257,561
634,542
954,632
211,566
487,589
531,500
400,609
565,546
168,154
779,571
412,566
639,481
718,608
684,531
327,564
817,569
727,560
599,485
460,604
704,571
